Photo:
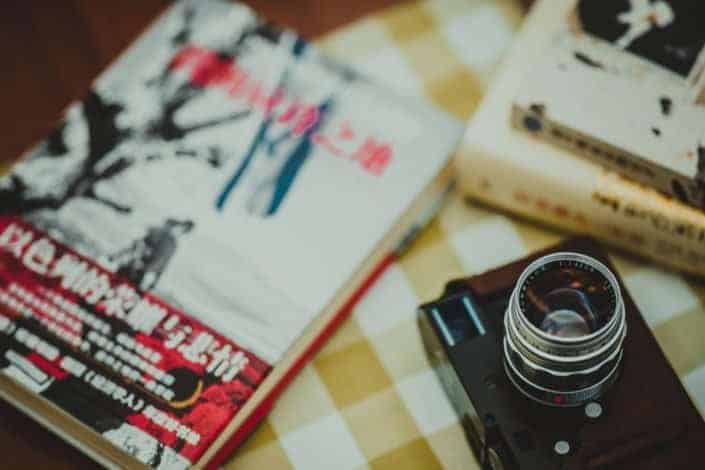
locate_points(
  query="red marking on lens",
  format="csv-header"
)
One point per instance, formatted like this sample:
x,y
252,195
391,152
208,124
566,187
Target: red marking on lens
x,y
558,399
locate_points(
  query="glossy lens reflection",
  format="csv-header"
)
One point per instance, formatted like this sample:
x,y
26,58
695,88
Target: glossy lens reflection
x,y
567,299
565,324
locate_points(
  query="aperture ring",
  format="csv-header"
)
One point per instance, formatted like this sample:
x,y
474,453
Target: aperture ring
x,y
554,380
560,398
564,364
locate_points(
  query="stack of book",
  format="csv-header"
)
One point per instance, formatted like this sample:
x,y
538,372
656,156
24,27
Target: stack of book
x,y
595,124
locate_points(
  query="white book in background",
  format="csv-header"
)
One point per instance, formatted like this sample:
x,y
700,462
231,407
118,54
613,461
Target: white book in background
x,y
623,84
504,165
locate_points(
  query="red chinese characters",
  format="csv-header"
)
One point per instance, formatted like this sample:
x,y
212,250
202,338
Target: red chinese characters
x,y
208,68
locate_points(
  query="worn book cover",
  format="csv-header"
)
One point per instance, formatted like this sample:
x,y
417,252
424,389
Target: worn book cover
x,y
503,164
193,224
623,84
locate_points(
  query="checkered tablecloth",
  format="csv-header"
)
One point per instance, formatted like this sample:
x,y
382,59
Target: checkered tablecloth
x,y
369,399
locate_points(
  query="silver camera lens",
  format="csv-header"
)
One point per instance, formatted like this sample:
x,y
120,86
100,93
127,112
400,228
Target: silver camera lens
x,y
564,330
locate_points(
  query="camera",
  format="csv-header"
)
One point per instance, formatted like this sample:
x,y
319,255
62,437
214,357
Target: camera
x,y
549,365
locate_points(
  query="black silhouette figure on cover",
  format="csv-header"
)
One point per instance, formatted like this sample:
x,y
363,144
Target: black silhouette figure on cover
x,y
144,261
269,167
103,159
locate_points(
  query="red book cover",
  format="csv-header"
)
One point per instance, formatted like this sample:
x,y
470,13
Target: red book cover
x,y
123,362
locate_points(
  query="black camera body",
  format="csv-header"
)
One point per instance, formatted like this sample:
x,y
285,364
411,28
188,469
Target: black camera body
x,y
643,419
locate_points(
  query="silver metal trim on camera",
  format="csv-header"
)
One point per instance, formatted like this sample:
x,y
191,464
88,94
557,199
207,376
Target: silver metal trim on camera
x,y
563,371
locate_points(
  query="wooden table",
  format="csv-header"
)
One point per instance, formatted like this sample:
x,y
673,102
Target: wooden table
x,y
51,51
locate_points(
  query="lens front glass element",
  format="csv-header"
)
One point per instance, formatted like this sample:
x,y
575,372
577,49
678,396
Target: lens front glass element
x,y
567,299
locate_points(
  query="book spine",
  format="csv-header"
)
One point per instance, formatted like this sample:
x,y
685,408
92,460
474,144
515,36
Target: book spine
x,y
265,407
592,201
537,123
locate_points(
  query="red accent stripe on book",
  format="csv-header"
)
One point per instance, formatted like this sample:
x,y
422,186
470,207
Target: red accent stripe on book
x,y
268,403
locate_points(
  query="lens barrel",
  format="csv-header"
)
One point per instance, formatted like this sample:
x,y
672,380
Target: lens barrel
x,y
564,330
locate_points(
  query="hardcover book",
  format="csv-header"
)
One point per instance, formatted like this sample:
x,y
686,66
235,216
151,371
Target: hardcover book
x,y
623,83
195,227
504,165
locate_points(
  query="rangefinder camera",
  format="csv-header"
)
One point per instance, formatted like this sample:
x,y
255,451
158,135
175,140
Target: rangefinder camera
x,y
549,365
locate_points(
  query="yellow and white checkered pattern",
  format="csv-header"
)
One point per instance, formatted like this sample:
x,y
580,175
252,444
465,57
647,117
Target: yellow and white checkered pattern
x,y
369,399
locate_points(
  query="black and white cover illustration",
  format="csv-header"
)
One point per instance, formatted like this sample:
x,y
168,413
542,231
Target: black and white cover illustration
x,y
628,76
228,166
235,179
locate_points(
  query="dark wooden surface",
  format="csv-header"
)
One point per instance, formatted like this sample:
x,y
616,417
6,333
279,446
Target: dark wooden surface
x,y
51,51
